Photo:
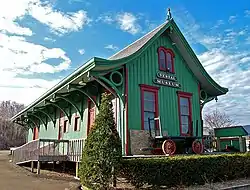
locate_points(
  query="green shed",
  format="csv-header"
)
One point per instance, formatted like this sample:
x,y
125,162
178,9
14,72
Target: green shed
x,y
234,136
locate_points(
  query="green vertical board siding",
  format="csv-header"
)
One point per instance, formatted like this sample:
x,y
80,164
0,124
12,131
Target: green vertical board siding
x,y
142,70
52,131
82,133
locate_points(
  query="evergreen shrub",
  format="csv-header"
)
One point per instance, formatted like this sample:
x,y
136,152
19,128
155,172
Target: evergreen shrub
x,y
102,152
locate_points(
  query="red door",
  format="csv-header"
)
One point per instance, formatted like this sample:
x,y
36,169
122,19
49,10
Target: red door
x,y
35,133
91,115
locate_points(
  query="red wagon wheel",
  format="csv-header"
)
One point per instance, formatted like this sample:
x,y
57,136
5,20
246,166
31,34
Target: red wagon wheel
x,y
168,147
197,147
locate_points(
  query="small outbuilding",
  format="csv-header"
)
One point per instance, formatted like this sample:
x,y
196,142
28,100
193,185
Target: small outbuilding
x,y
235,138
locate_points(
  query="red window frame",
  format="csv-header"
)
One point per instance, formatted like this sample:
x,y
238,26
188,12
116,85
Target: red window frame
x,y
65,126
77,123
166,50
35,133
155,91
188,96
88,121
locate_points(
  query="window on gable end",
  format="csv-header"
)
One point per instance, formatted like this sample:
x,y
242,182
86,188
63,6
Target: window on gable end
x,y
162,60
166,59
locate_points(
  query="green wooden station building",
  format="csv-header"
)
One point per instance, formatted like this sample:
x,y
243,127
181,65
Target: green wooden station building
x,y
159,88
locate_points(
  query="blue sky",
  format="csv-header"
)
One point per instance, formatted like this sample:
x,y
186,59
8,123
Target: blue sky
x,y
41,42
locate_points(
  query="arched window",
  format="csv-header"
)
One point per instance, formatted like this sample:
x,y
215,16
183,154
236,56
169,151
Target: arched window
x,y
166,59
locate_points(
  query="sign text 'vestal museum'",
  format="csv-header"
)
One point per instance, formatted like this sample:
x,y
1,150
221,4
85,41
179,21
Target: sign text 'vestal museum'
x,y
166,79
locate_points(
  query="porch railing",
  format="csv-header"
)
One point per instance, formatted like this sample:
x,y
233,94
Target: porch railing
x,y
49,150
26,152
53,150
75,149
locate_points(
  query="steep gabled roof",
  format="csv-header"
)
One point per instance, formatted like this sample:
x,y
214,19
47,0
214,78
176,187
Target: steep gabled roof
x,y
137,45
134,49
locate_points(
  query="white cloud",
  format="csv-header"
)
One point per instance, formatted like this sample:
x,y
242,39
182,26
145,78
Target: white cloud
x,y
81,51
25,57
86,3
210,40
242,32
245,60
13,28
19,57
9,14
218,24
111,47
24,95
106,18
58,21
248,41
75,1
49,39
128,22
247,13
232,19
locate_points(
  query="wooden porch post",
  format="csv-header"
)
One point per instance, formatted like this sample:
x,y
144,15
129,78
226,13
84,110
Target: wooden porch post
x,y
77,168
54,163
32,166
64,166
218,144
241,144
38,167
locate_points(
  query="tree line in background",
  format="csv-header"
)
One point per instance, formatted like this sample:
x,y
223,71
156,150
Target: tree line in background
x,y
11,134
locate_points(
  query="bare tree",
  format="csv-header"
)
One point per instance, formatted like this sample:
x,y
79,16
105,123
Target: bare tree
x,y
217,119
11,134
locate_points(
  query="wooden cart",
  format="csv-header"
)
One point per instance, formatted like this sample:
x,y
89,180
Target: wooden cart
x,y
170,145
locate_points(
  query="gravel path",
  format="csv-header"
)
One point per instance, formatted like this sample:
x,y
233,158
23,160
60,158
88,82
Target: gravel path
x,y
15,177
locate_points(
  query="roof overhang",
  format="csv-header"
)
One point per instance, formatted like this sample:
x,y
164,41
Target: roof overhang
x,y
81,74
234,131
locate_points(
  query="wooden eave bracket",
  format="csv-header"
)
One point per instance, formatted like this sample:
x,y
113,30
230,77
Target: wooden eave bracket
x,y
79,89
39,118
59,107
45,113
59,96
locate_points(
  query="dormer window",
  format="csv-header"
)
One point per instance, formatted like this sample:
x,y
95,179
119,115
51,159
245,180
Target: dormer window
x,y
166,59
